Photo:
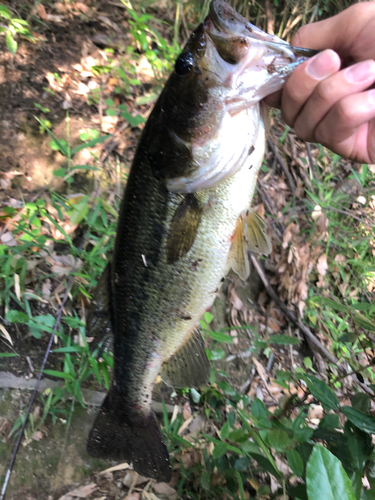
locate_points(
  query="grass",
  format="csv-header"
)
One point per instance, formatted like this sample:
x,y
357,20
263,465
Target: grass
x,y
245,440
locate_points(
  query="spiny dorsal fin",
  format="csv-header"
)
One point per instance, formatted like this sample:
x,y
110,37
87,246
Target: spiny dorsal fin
x,y
183,228
189,366
258,239
98,324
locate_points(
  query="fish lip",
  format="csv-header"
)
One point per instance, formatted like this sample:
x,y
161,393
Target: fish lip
x,y
227,22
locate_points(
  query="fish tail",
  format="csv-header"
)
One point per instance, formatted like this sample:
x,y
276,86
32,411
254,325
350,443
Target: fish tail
x,y
120,435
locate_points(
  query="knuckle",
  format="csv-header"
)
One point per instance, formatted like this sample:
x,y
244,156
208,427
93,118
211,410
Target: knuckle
x,y
301,36
345,113
325,93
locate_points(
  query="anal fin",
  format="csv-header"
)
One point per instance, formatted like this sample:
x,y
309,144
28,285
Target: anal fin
x,y
189,366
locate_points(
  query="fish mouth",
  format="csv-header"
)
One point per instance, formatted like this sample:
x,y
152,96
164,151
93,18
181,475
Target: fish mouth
x,y
235,38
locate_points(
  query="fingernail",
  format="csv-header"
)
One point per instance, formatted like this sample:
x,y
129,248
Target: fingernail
x,y
360,72
323,65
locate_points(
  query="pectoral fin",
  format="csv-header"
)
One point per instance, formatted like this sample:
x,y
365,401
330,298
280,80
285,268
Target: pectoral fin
x,y
189,366
183,228
98,324
250,235
258,239
238,258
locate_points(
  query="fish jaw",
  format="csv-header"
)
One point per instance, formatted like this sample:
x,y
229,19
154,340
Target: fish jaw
x,y
258,64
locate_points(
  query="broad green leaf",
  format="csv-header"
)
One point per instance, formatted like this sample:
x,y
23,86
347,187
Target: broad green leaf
x,y
219,450
295,462
363,421
283,340
215,354
326,478
17,316
322,392
224,433
361,402
278,439
8,354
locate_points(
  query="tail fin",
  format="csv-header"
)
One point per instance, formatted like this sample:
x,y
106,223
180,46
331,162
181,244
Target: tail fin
x,y
114,435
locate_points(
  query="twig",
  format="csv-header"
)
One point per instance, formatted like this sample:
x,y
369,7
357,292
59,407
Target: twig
x,y
289,178
28,411
279,228
311,161
303,328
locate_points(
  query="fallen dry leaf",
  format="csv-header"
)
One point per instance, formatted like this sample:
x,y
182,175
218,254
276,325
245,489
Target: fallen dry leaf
x,y
186,410
132,479
134,496
6,334
82,492
37,436
165,491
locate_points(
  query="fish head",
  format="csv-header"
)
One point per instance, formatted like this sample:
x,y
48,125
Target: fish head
x,y
227,66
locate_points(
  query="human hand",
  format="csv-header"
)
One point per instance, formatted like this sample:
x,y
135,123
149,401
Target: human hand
x,y
328,105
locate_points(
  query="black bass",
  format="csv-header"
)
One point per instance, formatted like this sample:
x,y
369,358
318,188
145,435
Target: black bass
x,y
185,220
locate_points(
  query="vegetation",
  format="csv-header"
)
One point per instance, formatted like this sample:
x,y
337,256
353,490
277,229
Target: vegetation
x,y
313,439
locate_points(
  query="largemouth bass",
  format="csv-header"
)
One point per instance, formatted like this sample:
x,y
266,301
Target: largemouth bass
x,y
185,220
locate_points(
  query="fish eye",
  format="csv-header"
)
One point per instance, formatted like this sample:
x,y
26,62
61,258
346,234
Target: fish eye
x,y
184,63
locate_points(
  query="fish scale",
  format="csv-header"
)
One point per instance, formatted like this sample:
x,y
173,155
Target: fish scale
x,y
184,221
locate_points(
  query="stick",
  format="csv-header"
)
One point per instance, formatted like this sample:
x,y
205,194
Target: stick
x,y
289,178
303,328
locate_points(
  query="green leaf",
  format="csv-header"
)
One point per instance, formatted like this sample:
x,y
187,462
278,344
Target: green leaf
x,y
215,354
333,304
224,433
221,337
361,402
283,340
278,439
326,478
55,373
14,316
363,322
206,480
208,317
295,462
219,450
11,43
91,144
322,392
8,354
363,421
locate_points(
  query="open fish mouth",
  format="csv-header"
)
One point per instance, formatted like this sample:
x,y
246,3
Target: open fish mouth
x,y
259,60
